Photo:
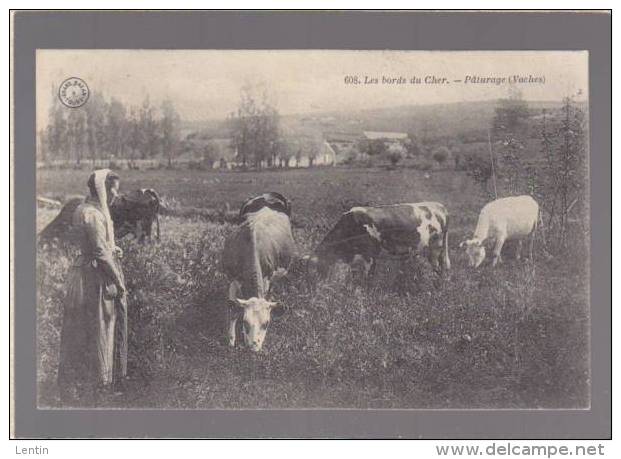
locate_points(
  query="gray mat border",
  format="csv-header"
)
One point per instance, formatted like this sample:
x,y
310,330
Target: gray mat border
x,y
412,30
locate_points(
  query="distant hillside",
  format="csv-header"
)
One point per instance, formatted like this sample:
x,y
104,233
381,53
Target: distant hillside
x,y
429,121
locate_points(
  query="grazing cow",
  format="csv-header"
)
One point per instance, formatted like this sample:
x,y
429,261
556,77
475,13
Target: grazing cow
x,y
259,251
506,219
273,200
399,229
60,227
135,213
132,213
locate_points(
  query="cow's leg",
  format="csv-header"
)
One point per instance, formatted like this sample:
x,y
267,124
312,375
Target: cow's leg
x,y
435,252
354,269
138,231
371,268
500,241
432,257
148,223
446,262
518,250
359,268
232,323
231,317
266,285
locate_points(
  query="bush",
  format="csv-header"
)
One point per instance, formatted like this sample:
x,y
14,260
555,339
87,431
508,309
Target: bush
x,y
441,154
423,166
479,169
112,164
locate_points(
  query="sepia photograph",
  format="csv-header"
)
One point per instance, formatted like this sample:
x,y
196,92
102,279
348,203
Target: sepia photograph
x,y
312,229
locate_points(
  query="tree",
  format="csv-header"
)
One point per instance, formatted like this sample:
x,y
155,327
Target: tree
x,y
42,145
479,169
510,113
509,131
255,126
95,125
78,133
117,128
148,130
413,146
372,147
57,138
441,154
170,129
312,147
563,142
210,154
286,151
395,153
134,136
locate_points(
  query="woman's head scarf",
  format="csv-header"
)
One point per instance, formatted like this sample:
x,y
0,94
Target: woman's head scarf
x,y
99,179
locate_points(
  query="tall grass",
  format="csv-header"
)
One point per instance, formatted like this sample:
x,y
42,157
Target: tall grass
x,y
511,337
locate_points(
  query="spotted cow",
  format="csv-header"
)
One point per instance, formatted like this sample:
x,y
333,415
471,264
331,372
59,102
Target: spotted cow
x,y
363,233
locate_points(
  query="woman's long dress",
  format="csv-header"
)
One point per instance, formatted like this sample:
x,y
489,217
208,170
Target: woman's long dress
x,y
93,348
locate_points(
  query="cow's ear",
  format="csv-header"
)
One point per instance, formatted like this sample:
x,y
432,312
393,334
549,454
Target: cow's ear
x,y
463,244
278,310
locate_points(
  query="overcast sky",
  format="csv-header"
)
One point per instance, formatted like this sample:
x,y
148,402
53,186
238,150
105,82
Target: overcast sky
x,y
206,84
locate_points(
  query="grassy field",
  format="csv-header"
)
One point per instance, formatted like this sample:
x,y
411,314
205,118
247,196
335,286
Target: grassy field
x,y
511,337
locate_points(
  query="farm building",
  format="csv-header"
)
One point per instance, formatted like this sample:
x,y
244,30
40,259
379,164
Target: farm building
x,y
341,140
385,136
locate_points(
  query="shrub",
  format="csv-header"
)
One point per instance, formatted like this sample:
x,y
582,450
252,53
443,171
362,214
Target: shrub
x,y
441,154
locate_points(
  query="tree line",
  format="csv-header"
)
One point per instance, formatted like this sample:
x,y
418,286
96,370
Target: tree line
x,y
107,129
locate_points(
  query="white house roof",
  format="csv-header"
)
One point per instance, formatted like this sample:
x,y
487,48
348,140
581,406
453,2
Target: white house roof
x,y
373,135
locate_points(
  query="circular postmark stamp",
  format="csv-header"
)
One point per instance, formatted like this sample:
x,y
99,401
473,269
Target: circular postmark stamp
x,y
73,92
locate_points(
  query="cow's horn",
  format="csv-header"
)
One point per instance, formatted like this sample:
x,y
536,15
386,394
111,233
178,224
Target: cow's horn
x,y
242,302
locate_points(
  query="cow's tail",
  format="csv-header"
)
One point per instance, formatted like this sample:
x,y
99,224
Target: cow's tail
x,y
447,261
157,224
157,207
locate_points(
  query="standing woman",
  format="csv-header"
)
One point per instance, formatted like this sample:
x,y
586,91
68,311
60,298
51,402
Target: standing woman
x,y
93,344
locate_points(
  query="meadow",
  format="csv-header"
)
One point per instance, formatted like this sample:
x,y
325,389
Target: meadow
x,y
514,336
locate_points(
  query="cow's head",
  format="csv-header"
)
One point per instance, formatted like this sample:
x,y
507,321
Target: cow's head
x,y
475,251
256,319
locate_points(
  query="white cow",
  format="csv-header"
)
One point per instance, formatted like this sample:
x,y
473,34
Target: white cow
x,y
513,218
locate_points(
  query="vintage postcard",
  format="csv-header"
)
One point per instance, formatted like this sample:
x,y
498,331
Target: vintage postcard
x,y
311,229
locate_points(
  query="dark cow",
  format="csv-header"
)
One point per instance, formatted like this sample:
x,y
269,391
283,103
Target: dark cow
x,y
273,200
259,251
131,213
135,213
60,227
362,233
